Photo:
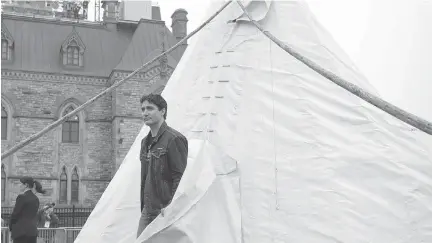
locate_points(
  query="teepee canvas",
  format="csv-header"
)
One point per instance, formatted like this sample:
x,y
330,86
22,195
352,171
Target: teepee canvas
x,y
277,153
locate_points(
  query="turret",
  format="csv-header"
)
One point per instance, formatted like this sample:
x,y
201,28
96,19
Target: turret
x,y
179,24
179,27
110,8
156,13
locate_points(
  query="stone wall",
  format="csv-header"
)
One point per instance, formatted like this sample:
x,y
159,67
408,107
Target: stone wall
x,y
127,121
35,101
108,128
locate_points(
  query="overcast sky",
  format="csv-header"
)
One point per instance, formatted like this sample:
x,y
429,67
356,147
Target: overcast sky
x,y
389,40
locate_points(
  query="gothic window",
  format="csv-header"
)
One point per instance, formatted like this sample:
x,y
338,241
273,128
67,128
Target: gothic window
x,y
3,184
75,186
4,123
63,187
73,49
4,49
70,128
7,43
73,54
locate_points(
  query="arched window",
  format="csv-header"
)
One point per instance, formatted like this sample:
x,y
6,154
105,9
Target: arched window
x,y
75,186
4,49
4,123
73,54
70,129
72,50
63,186
3,184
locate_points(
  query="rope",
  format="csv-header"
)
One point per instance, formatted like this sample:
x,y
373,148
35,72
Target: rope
x,y
400,114
108,90
385,106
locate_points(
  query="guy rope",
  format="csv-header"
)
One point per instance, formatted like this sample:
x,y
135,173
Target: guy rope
x,y
108,90
393,110
400,114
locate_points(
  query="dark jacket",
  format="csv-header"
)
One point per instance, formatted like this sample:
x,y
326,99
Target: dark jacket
x,y
163,162
23,221
42,219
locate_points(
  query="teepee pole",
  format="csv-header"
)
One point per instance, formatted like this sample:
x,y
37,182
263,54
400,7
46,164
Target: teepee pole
x,y
108,90
393,110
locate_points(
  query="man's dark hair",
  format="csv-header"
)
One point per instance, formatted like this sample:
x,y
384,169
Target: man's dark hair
x,y
157,100
31,183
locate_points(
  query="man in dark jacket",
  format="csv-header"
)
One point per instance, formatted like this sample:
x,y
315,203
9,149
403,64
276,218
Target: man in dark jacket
x,y
163,160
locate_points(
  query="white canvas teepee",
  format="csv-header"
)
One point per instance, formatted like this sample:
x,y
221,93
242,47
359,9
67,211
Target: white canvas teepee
x,y
277,153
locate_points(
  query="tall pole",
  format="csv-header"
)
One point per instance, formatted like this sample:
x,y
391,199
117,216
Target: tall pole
x,y
372,99
97,10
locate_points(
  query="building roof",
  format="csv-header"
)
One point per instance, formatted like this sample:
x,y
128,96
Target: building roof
x,y
37,44
147,44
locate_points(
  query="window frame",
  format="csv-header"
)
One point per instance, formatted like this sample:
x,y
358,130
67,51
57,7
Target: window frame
x,y
71,127
72,55
4,49
4,123
63,195
72,51
75,185
3,183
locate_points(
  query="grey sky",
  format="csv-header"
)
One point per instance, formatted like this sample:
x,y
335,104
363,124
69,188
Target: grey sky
x,y
389,40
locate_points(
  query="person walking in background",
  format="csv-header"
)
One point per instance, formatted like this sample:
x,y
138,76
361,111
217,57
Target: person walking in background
x,y
163,156
23,221
47,218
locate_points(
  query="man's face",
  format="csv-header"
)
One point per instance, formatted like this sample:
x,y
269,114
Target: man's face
x,y
23,187
151,114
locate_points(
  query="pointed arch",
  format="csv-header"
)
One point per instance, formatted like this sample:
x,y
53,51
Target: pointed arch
x,y
73,49
70,128
74,126
75,185
75,102
63,186
4,123
7,43
6,119
3,183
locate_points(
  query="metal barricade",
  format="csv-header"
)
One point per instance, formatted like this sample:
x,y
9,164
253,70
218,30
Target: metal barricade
x,y
50,235
47,235
5,235
71,233
68,216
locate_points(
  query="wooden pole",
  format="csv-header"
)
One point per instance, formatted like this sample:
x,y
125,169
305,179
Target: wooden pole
x,y
376,101
108,90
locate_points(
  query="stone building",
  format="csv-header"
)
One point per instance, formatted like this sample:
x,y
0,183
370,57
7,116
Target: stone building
x,y
51,65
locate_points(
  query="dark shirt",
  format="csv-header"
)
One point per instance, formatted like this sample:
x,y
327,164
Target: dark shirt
x,y
163,161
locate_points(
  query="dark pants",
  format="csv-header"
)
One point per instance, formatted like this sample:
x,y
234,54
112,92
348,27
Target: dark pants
x,y
145,220
25,239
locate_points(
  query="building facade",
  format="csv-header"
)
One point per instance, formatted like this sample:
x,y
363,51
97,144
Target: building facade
x,y
50,66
